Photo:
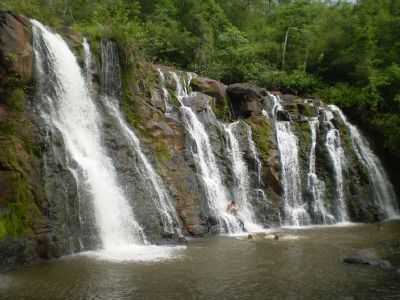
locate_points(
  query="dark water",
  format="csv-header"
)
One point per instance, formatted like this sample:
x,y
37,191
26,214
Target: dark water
x,y
304,265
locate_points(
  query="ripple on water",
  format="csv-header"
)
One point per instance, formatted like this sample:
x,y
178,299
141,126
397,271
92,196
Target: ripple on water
x,y
137,253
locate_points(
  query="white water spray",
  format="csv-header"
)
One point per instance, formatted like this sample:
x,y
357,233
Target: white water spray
x,y
75,116
215,191
167,105
241,183
162,201
334,146
384,194
294,207
315,186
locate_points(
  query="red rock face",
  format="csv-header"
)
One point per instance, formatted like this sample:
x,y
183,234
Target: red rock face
x,y
15,46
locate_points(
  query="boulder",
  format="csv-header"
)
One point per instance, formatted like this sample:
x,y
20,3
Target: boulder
x,y
197,102
246,99
209,87
288,98
282,115
368,257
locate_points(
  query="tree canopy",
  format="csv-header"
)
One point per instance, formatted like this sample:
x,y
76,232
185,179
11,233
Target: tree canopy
x,y
346,52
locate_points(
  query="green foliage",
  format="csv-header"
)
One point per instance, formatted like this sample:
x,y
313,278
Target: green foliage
x,y
297,82
348,96
16,101
303,133
341,51
222,110
388,126
262,133
19,207
17,218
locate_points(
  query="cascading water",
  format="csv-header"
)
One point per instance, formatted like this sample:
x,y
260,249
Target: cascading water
x,y
68,109
166,210
72,112
206,163
241,182
295,213
315,186
334,146
384,194
168,107
260,192
112,82
88,63
254,153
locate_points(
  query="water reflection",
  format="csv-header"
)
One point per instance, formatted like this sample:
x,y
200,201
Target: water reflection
x,y
304,265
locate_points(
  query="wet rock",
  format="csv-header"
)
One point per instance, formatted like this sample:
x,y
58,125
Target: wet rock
x,y
157,100
212,221
288,98
196,230
246,99
160,128
368,257
209,87
15,252
283,115
197,102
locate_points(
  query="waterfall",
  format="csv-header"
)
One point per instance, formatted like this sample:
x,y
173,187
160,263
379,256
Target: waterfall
x,y
88,63
72,112
165,95
112,82
383,191
206,163
169,218
254,153
260,192
315,186
334,146
242,188
295,213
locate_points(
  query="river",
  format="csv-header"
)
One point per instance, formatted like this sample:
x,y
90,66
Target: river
x,y
302,264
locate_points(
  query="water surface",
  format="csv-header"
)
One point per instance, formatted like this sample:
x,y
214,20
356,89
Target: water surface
x,y
303,264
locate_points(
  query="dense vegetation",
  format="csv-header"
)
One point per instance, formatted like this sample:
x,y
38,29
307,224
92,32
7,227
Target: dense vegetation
x,y
346,53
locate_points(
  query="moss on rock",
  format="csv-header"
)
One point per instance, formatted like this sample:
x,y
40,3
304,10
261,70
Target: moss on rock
x,y
262,133
19,192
